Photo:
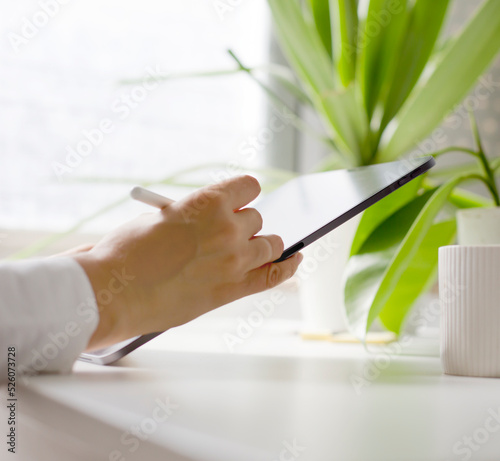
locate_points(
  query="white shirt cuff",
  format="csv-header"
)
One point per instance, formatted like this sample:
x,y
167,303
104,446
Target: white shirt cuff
x,y
48,312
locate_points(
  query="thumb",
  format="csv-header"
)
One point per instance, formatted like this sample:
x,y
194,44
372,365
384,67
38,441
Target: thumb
x,y
271,275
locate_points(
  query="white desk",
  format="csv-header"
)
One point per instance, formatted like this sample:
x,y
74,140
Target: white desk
x,y
248,405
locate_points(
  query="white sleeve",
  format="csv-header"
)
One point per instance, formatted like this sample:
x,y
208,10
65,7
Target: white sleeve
x,y
48,313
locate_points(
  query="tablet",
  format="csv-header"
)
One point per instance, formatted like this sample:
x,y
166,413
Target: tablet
x,y
309,206
305,209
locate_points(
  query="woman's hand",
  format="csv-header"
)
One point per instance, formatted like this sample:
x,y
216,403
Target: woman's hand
x,y
166,268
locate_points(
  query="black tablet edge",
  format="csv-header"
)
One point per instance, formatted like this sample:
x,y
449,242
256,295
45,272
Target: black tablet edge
x,y
322,231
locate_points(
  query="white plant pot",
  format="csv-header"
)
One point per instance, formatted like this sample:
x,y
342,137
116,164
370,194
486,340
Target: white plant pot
x,y
321,281
479,226
469,290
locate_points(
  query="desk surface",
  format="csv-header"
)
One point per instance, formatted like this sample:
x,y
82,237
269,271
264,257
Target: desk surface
x,y
275,397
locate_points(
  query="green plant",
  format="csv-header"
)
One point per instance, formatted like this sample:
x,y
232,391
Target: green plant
x,y
395,250
381,80
375,72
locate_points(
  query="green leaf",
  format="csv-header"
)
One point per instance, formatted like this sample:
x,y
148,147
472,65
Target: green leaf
x,y
344,27
379,44
462,198
340,109
373,274
418,276
464,60
343,112
488,172
280,104
321,14
392,230
179,76
367,266
285,77
445,173
302,45
379,212
424,22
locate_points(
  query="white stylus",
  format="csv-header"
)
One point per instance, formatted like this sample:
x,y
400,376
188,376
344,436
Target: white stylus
x,y
150,198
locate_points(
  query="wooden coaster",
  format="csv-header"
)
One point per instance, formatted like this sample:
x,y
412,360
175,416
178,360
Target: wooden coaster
x,y
373,337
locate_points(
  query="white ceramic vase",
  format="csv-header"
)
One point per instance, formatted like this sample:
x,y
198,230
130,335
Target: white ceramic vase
x,y
469,291
321,281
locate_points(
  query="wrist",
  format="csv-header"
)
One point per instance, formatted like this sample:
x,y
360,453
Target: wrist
x,y
112,304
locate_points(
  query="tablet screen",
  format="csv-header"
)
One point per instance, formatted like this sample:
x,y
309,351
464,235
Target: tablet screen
x,y
305,204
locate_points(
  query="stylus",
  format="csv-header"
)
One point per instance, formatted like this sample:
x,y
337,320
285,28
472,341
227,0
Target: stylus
x,y
150,198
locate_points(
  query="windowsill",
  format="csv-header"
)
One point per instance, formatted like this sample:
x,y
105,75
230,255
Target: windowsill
x,y
12,241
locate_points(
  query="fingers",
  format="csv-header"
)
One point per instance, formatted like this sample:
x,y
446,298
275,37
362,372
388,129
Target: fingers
x,y
271,275
264,249
219,199
240,191
249,220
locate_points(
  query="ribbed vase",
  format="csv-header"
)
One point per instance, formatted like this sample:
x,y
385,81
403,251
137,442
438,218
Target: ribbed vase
x,y
469,290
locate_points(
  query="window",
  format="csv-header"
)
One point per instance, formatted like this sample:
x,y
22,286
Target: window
x,y
73,140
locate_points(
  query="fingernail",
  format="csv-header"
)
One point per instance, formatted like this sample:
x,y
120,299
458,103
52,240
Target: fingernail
x,y
300,257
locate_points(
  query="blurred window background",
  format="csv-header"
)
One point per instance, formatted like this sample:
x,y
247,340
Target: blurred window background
x,y
60,93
